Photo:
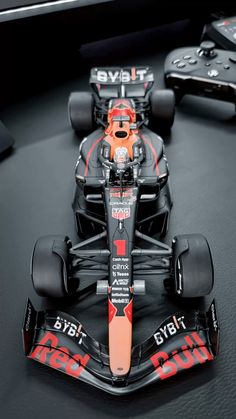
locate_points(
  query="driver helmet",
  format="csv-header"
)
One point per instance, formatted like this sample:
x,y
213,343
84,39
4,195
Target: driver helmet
x,y
121,155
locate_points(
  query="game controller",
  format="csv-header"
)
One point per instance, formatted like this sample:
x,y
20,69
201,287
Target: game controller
x,y
202,71
222,32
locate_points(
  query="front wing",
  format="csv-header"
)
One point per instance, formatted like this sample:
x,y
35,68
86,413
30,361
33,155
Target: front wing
x,y
59,340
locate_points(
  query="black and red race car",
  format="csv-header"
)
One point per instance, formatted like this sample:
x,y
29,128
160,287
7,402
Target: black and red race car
x,y
122,205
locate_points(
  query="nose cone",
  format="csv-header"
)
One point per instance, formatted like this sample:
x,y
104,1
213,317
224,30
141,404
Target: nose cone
x,y
120,342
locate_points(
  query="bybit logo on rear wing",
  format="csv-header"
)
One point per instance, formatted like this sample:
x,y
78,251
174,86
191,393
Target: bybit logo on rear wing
x,y
121,75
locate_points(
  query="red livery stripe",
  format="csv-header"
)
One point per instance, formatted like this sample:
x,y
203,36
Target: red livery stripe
x,y
148,142
90,152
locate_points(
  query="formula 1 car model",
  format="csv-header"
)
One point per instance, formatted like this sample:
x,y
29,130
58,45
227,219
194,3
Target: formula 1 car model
x,y
122,201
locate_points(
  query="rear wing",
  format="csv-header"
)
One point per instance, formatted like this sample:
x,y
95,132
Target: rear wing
x,y
115,82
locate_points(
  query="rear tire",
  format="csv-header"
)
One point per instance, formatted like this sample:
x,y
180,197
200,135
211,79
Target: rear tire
x,y
50,266
192,267
162,104
81,111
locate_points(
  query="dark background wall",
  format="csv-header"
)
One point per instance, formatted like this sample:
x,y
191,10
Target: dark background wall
x,y
43,49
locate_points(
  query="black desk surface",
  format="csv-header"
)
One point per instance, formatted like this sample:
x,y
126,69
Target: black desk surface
x,y
36,189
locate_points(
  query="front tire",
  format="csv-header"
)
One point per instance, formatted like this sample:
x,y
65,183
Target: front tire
x,y
192,267
50,266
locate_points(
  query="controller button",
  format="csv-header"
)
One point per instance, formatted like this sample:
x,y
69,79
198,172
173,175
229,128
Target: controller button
x,y
226,66
207,46
213,73
176,61
218,62
187,57
207,49
207,64
232,57
181,65
192,61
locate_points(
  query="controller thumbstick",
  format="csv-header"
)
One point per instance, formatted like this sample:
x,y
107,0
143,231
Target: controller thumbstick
x,y
207,48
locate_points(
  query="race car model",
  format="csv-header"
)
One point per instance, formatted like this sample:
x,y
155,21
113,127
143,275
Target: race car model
x,y
122,205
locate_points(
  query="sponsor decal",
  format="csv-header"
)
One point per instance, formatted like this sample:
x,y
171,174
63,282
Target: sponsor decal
x,y
125,197
180,360
213,316
121,281
120,289
120,266
49,352
120,203
28,317
120,274
123,76
71,329
120,300
120,213
169,329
